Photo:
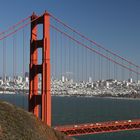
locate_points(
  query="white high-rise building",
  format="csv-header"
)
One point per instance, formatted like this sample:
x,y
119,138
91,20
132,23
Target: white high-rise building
x,y
138,81
107,84
90,80
1,82
63,79
27,79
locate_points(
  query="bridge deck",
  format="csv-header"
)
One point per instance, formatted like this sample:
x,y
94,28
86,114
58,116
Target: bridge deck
x,y
102,127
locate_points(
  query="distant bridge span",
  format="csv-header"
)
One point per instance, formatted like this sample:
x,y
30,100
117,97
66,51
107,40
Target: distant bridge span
x,y
98,128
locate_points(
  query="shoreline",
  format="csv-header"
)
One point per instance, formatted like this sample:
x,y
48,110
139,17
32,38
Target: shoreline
x,y
76,96
99,97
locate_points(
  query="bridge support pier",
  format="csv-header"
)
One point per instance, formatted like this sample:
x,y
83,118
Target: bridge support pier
x,y
40,104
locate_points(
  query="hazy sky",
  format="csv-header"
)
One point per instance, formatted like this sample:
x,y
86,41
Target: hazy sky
x,y
113,23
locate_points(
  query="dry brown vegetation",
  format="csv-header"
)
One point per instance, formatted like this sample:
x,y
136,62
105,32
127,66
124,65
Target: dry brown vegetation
x,y
17,124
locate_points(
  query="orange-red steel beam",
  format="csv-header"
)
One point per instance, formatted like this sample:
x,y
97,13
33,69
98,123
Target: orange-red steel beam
x,y
102,127
46,79
44,99
33,86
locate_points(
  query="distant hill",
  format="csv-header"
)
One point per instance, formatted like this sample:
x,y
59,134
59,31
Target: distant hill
x,y
17,124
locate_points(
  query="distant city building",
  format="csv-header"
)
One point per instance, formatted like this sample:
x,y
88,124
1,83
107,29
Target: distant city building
x,y
92,85
138,81
1,82
80,88
107,84
63,79
130,80
26,74
27,79
71,80
66,79
4,78
127,84
39,78
7,79
18,79
90,80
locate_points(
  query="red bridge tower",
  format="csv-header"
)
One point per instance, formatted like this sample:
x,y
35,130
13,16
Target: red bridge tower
x,y
40,104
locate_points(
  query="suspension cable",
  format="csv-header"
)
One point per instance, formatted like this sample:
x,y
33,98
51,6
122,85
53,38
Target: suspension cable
x,y
15,25
19,28
96,44
93,50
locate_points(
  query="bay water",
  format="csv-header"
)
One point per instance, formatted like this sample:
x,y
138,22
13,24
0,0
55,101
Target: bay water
x,y
74,110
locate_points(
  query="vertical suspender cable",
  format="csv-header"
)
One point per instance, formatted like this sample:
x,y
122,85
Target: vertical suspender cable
x,y
61,59
122,71
15,58
117,78
67,64
69,58
13,63
90,64
82,64
86,65
99,65
53,54
101,68
14,82
95,67
4,65
65,57
114,68
107,67
70,74
74,75
23,72
130,72
137,75
56,55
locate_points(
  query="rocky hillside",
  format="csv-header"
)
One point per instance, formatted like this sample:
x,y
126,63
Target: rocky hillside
x,y
17,124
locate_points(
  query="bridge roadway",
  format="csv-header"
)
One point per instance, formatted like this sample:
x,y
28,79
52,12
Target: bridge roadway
x,y
96,128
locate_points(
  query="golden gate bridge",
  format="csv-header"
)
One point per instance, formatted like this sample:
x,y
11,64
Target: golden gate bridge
x,y
56,49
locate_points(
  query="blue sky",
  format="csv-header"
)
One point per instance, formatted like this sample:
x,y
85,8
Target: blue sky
x,y
113,23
